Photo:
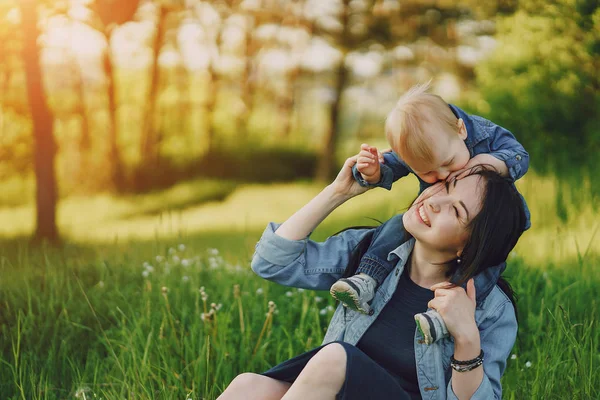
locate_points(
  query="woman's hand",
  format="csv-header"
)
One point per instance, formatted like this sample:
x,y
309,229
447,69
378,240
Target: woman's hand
x,y
457,308
345,184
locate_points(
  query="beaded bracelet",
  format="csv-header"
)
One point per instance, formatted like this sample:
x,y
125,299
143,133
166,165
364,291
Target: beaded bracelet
x,y
465,366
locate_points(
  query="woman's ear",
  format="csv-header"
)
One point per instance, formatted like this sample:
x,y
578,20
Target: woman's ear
x,y
462,129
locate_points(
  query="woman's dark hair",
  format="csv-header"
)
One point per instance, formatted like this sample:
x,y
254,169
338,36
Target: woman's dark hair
x,y
494,231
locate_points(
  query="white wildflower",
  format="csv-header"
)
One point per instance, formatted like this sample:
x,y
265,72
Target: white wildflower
x,y
145,273
185,263
181,247
213,252
318,299
259,291
330,308
172,250
160,259
323,311
513,357
289,294
185,278
528,364
145,264
101,284
176,259
149,268
300,290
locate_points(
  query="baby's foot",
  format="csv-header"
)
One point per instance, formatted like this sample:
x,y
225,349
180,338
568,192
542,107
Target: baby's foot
x,y
431,325
355,292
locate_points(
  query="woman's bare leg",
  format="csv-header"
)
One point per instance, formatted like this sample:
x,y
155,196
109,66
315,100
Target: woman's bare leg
x,y
323,376
250,386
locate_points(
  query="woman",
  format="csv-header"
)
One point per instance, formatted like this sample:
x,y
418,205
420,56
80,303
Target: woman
x,y
452,232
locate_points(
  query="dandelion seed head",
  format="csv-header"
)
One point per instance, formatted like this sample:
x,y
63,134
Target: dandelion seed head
x,y
213,252
149,268
289,294
145,264
185,278
185,263
145,273
172,251
159,259
513,357
323,311
528,364
300,290
330,308
101,284
176,259
181,247
259,291
318,299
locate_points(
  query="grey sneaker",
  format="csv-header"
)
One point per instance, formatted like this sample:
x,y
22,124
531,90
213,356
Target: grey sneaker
x,y
432,326
355,292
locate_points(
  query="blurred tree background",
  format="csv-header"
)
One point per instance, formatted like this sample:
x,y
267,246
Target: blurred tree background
x,y
132,96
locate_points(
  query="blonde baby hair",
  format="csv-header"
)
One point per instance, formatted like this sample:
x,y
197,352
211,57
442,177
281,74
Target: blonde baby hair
x,y
416,112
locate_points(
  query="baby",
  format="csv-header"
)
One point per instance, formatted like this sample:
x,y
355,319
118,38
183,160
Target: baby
x,y
433,140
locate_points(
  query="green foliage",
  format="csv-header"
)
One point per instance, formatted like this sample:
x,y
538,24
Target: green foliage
x,y
542,82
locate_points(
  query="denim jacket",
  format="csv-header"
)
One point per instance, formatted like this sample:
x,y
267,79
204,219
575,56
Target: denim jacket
x,y
317,265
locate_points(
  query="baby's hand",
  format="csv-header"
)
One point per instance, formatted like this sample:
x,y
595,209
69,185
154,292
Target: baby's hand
x,y
368,163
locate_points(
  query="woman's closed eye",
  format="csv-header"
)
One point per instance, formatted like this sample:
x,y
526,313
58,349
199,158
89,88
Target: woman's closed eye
x,y
447,185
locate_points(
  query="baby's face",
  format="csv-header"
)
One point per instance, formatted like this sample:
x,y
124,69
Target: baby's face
x,y
450,153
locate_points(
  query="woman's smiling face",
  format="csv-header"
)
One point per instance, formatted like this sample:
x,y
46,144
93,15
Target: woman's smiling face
x,y
439,218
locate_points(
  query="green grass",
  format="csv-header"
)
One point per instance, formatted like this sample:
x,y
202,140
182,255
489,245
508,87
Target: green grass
x,y
83,322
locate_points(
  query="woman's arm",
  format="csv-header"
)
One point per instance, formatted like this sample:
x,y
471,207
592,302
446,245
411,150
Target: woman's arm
x,y
285,255
496,336
305,220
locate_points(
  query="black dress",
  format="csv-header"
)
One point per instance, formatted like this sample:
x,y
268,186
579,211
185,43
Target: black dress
x,y
382,365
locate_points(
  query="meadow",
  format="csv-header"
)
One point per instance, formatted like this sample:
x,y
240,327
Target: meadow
x,y
151,296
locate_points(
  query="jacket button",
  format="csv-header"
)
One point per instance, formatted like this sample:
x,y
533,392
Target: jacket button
x,y
518,157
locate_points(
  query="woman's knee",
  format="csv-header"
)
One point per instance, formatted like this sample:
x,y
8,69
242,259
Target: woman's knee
x,y
246,378
244,381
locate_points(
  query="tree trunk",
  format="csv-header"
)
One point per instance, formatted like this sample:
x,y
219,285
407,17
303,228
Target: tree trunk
x,y
287,102
326,166
247,82
44,145
209,108
150,139
114,156
80,108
